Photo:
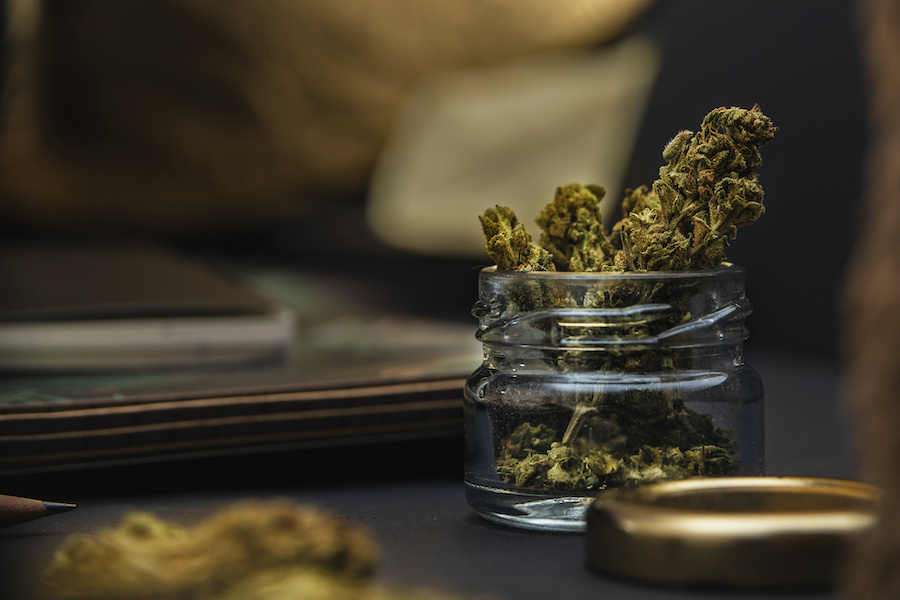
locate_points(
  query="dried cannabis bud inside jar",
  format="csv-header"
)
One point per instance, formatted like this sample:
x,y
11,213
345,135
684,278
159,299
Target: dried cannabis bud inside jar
x,y
613,356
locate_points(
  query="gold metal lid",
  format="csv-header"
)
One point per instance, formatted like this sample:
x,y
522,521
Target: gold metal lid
x,y
733,531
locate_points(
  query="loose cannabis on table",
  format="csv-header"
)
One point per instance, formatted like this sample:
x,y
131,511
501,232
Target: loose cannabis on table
x,y
707,189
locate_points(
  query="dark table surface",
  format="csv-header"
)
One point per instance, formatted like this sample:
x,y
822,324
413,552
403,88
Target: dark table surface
x,y
411,497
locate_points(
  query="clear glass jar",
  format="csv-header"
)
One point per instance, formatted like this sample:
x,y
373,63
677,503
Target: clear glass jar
x,y
596,380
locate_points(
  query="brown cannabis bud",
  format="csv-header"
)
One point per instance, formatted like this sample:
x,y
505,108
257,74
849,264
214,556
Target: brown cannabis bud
x,y
705,192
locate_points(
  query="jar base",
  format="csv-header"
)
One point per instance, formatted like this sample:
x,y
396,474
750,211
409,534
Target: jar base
x,y
529,511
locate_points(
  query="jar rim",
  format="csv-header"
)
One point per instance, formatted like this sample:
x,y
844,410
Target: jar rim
x,y
723,269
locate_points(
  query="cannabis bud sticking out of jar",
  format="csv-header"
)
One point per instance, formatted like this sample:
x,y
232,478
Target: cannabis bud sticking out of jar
x,y
614,356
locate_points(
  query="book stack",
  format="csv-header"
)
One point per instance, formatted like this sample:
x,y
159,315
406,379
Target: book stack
x,y
102,382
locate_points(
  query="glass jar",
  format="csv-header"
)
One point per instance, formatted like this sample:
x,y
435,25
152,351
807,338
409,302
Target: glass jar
x,y
596,380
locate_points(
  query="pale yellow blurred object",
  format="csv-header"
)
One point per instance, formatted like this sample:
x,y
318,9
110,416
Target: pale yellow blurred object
x,y
509,134
199,114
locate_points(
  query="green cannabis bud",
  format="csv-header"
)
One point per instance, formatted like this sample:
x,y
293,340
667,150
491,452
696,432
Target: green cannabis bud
x,y
637,445
509,245
572,231
705,192
707,189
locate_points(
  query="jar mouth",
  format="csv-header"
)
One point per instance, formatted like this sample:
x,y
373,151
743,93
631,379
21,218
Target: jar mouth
x,y
724,269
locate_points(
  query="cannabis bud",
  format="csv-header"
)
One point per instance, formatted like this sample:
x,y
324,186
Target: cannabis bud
x,y
705,192
254,550
510,245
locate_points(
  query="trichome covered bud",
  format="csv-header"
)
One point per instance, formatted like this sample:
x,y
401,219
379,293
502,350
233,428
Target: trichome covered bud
x,y
509,245
705,192
572,230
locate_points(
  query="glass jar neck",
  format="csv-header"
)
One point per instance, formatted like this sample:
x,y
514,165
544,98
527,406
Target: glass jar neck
x,y
596,319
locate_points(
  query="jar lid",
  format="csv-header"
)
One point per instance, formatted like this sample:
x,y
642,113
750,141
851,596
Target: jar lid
x,y
733,531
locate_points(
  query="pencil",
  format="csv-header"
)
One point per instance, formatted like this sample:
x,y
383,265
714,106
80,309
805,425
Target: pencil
x,y
15,510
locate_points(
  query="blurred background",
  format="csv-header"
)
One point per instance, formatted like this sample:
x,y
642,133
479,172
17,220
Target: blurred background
x,y
361,140
366,137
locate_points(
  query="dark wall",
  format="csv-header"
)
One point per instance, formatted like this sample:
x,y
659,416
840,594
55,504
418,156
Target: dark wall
x,y
800,61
